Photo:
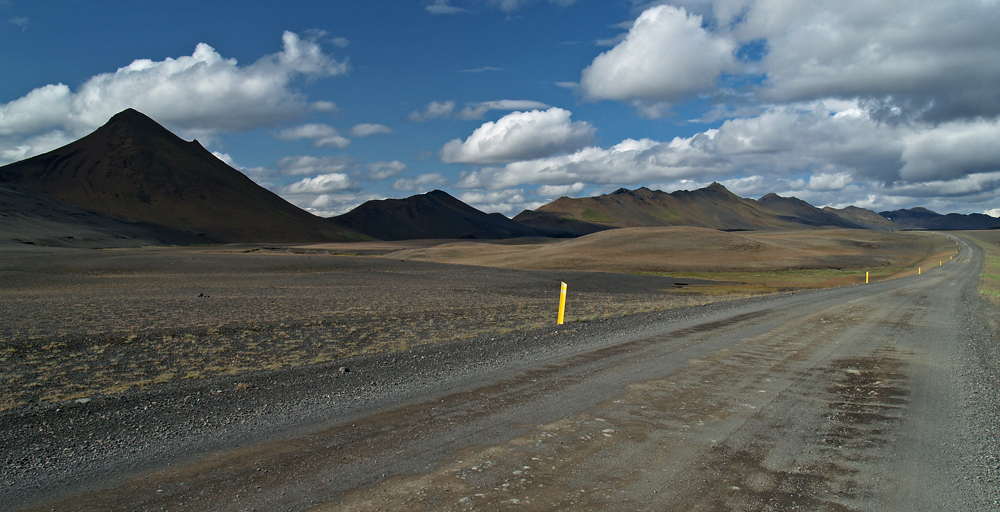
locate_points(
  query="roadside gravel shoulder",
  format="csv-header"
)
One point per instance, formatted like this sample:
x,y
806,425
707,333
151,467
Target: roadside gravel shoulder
x,y
49,451
979,363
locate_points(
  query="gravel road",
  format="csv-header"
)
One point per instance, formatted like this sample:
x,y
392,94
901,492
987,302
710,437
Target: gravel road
x,y
869,397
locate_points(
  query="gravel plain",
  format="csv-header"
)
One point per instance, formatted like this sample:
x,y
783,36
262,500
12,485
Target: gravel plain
x,y
89,451
121,361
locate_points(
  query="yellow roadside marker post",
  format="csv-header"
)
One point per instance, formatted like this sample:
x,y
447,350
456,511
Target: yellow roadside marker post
x,y
562,303
866,277
919,271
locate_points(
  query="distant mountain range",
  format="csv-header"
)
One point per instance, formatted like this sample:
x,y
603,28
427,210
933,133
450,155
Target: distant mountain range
x,y
133,179
716,207
710,207
922,218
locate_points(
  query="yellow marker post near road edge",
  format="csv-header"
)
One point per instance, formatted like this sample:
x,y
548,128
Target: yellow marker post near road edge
x,y
562,303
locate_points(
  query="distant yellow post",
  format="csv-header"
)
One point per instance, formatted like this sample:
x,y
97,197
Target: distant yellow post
x,y
940,263
866,277
919,271
562,303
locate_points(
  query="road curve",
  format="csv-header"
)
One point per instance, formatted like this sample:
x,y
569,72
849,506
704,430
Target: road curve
x,y
869,397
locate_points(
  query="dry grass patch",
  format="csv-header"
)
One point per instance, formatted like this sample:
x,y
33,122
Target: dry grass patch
x,y
748,263
989,242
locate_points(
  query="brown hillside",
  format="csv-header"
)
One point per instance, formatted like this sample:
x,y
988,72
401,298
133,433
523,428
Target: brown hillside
x,y
797,210
136,170
863,217
712,207
683,249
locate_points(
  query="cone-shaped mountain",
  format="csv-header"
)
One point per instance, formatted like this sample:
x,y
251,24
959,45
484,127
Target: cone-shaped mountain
x,y
139,171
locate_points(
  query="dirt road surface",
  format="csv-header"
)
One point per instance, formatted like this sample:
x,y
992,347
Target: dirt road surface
x,y
868,397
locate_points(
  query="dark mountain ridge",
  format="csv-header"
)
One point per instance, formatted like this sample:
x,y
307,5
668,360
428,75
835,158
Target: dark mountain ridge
x,y
922,218
435,214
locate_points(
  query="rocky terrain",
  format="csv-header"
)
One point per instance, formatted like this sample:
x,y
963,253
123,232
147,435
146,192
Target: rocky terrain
x,y
114,361
80,323
257,436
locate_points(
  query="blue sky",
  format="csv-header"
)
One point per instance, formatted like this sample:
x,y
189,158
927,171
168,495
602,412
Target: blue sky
x,y
509,104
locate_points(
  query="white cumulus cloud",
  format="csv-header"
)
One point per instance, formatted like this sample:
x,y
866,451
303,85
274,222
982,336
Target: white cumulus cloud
x,y
825,182
199,94
301,165
560,190
666,57
520,136
951,150
384,170
936,60
320,184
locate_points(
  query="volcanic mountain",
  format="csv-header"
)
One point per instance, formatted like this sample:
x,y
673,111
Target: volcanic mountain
x,y
710,207
435,214
137,171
